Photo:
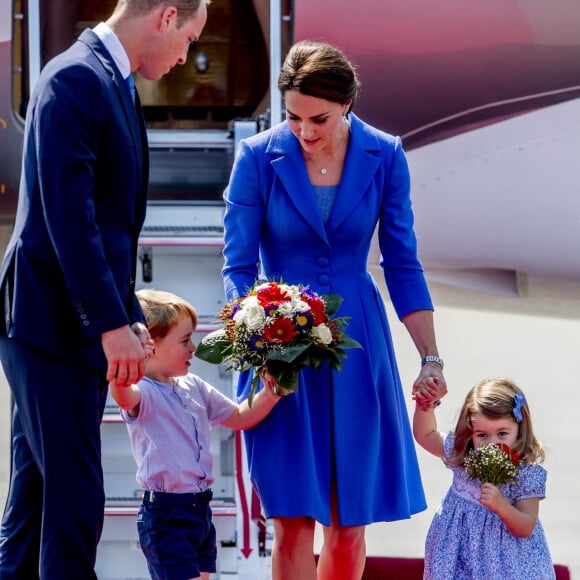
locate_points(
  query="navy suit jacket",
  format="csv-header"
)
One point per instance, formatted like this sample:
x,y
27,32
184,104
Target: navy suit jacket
x,y
69,269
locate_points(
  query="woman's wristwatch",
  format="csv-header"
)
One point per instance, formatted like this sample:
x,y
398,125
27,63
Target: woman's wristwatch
x,y
431,358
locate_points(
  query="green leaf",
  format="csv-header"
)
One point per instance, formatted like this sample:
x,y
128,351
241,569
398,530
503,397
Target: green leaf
x,y
214,347
332,303
254,386
287,354
348,342
284,373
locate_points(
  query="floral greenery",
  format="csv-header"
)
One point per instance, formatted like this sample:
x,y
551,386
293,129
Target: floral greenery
x,y
492,463
279,327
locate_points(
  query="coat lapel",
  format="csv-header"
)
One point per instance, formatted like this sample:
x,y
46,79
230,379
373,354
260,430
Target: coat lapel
x,y
288,164
361,164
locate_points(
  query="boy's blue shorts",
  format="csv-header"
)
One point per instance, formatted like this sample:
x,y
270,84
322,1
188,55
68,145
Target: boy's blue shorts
x,y
177,539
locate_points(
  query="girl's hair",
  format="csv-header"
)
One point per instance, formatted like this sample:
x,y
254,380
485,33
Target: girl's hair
x,y
319,70
494,398
163,310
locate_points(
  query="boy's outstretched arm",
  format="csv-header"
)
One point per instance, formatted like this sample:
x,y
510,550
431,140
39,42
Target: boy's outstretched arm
x,y
246,417
128,398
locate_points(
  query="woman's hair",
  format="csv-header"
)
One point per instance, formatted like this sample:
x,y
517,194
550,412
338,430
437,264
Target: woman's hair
x,y
319,70
495,399
163,310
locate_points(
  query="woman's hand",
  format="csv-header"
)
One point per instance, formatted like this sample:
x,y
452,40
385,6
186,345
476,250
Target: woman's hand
x,y
429,387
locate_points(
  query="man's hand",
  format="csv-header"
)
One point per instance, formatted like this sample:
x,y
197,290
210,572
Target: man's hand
x,y
125,355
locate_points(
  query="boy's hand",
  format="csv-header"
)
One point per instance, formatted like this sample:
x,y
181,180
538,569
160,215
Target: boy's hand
x,y
142,333
271,384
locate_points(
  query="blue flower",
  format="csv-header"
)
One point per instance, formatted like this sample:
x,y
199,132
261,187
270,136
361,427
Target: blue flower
x,y
303,320
257,343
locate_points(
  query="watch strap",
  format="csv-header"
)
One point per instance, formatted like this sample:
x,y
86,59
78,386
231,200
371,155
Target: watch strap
x,y
431,358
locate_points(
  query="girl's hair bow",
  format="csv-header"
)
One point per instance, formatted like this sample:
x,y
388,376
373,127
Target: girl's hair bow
x,y
519,402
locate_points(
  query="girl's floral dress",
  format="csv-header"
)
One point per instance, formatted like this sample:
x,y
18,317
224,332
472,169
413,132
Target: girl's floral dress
x,y
466,540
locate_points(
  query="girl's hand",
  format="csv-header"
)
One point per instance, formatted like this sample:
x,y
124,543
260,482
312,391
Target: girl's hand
x,y
492,498
429,388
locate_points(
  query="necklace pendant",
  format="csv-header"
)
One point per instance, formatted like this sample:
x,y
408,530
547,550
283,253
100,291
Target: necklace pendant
x,y
324,171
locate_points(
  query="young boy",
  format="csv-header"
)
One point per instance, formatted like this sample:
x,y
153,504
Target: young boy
x,y
169,414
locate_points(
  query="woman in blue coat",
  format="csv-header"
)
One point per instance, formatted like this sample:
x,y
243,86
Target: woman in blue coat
x,y
302,204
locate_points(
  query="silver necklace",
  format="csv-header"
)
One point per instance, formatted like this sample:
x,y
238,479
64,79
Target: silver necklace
x,y
324,170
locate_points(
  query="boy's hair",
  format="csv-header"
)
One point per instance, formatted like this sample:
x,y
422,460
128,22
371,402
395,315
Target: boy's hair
x,y
163,310
494,398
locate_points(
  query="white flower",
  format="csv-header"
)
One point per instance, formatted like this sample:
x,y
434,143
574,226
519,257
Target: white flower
x,y
262,286
250,314
286,309
322,333
300,306
291,291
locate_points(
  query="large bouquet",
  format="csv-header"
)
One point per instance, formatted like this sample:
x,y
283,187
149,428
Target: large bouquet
x,y
493,463
279,327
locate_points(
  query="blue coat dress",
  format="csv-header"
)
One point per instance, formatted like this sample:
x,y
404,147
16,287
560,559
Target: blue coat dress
x,y
352,426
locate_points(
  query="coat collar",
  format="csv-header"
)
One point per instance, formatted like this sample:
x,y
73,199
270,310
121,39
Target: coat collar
x,y
361,163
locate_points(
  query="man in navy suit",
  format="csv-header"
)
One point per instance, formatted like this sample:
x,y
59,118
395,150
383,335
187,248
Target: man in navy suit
x,y
72,322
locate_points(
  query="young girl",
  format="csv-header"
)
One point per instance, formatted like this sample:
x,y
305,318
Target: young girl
x,y
169,415
482,531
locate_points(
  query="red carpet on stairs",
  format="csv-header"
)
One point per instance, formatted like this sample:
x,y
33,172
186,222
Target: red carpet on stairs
x,y
412,569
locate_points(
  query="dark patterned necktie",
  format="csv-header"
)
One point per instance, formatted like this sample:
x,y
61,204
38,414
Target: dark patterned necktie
x,y
131,84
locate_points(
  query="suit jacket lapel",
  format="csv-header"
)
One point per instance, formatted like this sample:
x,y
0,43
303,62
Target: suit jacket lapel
x,y
134,116
144,157
130,109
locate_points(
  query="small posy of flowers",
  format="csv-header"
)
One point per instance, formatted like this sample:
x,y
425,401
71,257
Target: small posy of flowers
x,y
492,463
279,327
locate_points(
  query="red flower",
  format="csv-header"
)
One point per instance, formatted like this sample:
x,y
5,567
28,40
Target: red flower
x,y
272,295
317,309
282,331
513,455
